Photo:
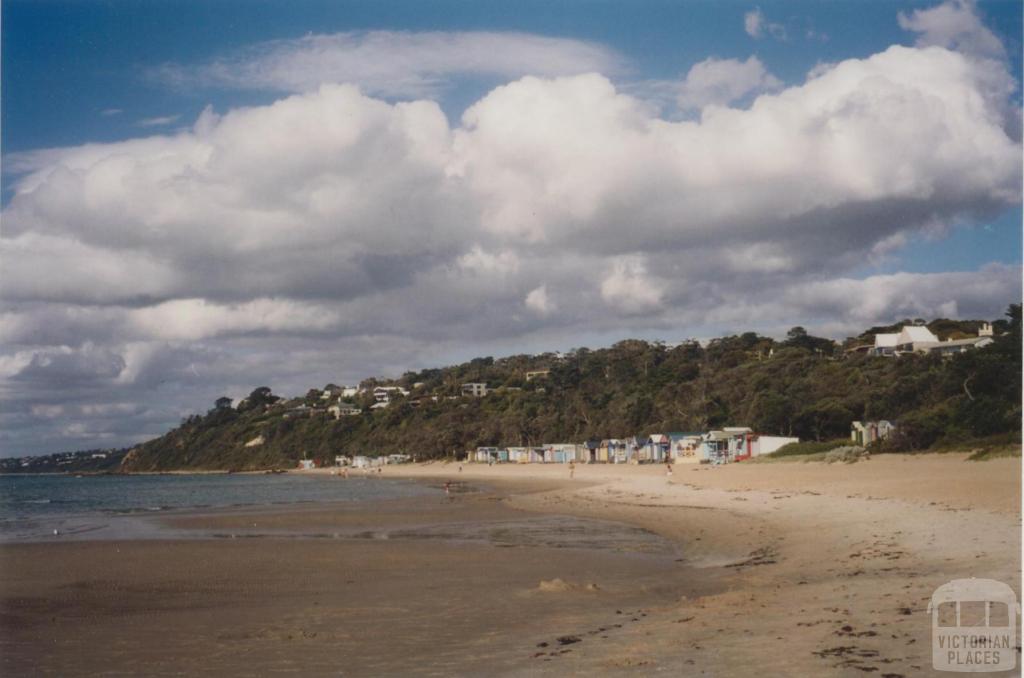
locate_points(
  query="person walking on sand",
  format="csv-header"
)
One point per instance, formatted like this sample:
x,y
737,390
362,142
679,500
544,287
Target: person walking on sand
x,y
668,468
572,469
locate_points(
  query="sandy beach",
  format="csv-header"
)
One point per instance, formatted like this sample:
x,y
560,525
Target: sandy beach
x,y
771,569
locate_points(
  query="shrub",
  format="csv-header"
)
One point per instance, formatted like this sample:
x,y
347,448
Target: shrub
x,y
809,447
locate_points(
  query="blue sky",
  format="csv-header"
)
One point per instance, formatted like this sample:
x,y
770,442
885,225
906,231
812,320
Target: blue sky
x,y
64,63
80,72
218,208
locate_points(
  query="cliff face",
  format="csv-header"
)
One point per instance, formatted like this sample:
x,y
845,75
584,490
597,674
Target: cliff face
x,y
803,387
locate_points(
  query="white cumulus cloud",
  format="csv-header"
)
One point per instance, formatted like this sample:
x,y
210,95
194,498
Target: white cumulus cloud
x,y
334,233
722,81
954,24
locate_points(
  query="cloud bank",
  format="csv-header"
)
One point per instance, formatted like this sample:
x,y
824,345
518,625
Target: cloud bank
x,y
332,235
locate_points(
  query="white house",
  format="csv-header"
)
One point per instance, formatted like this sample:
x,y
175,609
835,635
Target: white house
x,y
885,344
954,346
475,389
384,394
918,339
909,339
340,411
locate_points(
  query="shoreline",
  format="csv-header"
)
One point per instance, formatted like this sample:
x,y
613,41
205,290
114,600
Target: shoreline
x,y
786,569
832,565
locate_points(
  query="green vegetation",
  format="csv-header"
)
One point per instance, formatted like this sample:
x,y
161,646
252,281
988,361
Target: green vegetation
x,y
810,447
84,461
804,386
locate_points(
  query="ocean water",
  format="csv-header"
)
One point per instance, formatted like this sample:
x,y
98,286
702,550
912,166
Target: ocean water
x,y
39,506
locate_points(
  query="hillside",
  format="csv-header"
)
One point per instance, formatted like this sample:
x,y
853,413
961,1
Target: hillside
x,y
84,461
803,386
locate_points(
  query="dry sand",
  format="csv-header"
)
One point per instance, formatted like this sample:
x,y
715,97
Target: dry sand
x,y
831,566
800,569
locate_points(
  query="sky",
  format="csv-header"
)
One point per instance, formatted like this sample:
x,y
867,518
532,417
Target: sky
x,y
200,198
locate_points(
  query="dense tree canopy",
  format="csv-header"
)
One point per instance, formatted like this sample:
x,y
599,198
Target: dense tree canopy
x,y
802,386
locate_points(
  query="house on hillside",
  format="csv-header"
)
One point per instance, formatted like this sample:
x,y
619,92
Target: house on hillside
x,y
885,344
537,374
954,346
866,432
915,339
385,394
919,339
339,411
331,392
474,389
909,339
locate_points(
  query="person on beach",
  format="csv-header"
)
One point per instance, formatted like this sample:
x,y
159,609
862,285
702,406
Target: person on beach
x,y
572,469
344,473
668,468
448,489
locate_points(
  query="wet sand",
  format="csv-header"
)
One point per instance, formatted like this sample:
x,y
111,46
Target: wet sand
x,y
752,569
437,586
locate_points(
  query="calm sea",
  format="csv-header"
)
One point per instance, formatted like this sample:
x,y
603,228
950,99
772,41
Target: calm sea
x,y
34,506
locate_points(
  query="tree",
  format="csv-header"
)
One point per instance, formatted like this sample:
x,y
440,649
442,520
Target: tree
x,y
799,338
796,336
259,397
823,420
